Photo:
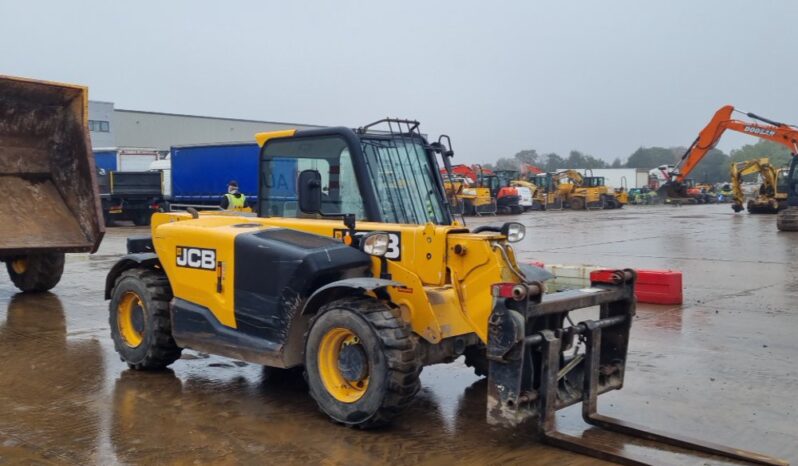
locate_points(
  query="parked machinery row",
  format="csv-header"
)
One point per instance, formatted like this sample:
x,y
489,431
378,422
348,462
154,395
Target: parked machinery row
x,y
514,192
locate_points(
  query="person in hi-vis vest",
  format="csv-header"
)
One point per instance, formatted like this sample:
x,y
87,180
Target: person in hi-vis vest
x,y
233,199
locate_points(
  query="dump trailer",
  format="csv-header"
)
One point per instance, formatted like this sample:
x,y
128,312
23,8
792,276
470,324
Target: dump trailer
x,y
133,196
48,189
357,272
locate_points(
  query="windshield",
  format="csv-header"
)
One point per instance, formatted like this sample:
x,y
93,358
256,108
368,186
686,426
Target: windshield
x,y
403,181
594,181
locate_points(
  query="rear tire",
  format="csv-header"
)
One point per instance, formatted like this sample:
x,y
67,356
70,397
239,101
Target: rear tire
x,y
787,219
577,203
141,326
36,272
361,363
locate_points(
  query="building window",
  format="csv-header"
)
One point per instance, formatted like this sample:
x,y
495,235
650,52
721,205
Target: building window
x,y
99,126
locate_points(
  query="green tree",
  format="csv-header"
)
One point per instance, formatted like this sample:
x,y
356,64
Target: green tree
x,y
552,162
651,157
577,159
529,156
507,164
617,163
779,155
713,168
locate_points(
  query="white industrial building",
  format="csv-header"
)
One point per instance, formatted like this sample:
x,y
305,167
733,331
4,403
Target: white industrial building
x,y
113,127
619,177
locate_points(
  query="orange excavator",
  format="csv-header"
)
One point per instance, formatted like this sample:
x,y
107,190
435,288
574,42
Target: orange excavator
x,y
764,128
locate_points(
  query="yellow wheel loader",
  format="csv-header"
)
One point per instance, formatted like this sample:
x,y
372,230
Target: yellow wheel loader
x,y
353,269
48,188
581,192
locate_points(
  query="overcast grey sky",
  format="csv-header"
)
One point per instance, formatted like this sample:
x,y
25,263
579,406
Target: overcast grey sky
x,y
604,77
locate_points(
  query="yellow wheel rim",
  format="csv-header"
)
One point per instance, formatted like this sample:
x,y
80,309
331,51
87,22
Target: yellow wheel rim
x,y
130,319
348,387
19,266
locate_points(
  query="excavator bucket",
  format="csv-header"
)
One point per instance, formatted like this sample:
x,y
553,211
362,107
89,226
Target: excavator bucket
x,y
672,190
48,188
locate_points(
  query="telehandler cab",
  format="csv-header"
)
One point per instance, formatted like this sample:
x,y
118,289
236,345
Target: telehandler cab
x,y
354,269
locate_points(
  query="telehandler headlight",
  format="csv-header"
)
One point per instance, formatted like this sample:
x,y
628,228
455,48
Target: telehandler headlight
x,y
514,232
375,243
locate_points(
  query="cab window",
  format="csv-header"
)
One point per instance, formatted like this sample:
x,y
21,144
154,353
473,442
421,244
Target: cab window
x,y
283,159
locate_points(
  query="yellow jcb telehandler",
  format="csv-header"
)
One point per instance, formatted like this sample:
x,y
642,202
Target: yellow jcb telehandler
x,y
357,273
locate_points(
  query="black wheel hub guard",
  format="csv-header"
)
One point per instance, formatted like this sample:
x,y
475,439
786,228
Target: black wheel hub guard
x,y
353,363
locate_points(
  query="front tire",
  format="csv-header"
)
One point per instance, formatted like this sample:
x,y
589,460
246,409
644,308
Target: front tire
x,y
361,364
36,272
141,326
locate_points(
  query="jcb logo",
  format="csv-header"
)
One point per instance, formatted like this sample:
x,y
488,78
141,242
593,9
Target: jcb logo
x,y
196,258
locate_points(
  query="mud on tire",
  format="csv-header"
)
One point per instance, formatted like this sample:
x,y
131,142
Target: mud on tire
x,y
388,346
152,346
36,272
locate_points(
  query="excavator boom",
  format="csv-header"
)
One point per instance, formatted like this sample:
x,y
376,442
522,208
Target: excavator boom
x,y
708,138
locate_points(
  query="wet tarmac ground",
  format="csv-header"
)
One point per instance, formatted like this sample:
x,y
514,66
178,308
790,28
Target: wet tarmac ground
x,y
721,367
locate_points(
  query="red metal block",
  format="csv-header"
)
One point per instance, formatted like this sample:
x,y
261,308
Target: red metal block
x,y
653,286
659,286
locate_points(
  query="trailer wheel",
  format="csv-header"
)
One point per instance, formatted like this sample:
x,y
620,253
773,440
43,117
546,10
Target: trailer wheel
x,y
141,218
36,272
787,219
141,326
361,364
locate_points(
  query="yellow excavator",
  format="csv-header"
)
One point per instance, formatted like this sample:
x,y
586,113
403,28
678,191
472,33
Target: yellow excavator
x,y
771,196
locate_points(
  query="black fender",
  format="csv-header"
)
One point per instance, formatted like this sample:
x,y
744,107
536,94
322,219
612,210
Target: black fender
x,y
345,287
130,261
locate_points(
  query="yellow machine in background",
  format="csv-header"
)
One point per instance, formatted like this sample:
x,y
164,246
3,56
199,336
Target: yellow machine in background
x,y
772,193
584,192
467,199
622,193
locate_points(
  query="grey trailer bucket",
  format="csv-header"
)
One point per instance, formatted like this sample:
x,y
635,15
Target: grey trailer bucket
x,y
48,188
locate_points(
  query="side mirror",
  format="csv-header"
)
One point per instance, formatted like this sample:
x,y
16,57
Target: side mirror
x,y
309,191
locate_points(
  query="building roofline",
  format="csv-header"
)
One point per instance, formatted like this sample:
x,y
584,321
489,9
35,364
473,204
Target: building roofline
x,y
241,120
